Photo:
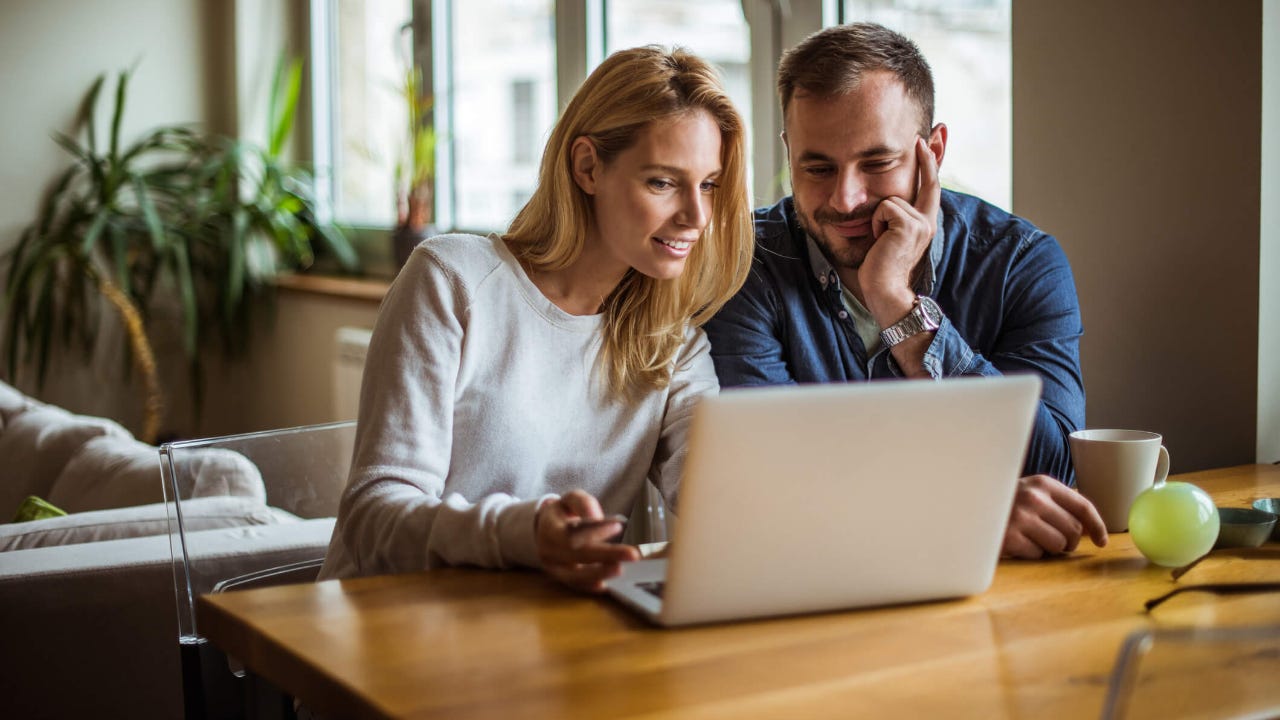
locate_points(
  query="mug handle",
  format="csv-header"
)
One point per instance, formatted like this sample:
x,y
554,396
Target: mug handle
x,y
1162,466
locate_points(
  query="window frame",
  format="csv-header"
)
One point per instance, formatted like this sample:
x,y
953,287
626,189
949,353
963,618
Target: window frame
x,y
579,44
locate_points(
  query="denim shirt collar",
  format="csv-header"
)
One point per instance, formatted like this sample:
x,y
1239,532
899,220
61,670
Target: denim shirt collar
x,y
829,280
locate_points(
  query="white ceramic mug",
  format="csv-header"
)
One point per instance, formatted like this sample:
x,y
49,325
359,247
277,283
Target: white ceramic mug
x,y
1114,466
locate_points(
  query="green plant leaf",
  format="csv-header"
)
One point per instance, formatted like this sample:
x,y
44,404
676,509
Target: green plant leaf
x,y
117,116
155,226
283,104
187,294
84,155
237,236
48,209
95,229
43,325
120,257
88,109
340,246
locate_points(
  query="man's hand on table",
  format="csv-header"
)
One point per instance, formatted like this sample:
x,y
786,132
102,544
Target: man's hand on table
x,y
573,548
1049,518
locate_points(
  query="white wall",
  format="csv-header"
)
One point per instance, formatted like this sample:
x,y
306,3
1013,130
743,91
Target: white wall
x,y
1269,246
50,52
1136,142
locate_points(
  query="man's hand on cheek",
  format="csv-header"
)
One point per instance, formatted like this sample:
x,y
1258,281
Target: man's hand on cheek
x,y
903,232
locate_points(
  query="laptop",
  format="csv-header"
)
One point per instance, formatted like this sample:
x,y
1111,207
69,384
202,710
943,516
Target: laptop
x,y
800,499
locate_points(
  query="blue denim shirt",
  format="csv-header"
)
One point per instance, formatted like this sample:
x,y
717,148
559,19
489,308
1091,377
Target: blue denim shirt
x,y
1004,287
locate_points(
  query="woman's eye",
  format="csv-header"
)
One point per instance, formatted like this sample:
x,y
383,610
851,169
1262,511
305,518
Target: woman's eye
x,y
661,184
709,186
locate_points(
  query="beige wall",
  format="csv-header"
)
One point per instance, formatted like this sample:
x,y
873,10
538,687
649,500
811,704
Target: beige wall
x,y
50,52
1136,142
290,380
1269,271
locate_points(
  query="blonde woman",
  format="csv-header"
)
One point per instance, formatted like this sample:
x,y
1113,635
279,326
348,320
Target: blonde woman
x,y
519,386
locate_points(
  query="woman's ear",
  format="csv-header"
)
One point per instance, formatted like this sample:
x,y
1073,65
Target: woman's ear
x,y
585,163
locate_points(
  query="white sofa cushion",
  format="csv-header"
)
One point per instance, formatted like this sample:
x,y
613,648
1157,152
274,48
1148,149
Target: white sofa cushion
x,y
119,523
110,472
12,402
36,446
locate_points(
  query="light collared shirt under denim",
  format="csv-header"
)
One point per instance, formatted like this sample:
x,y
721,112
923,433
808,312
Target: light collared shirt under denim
x,y
1004,286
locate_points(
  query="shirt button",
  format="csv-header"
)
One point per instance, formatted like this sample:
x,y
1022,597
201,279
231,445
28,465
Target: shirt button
x,y
844,315
823,279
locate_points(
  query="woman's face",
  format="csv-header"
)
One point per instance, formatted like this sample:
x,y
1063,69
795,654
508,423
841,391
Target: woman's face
x,y
653,200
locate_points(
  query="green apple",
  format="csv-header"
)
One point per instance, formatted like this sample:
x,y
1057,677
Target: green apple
x,y
1173,523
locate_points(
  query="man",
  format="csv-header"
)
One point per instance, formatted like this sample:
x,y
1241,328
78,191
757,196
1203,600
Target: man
x,y
871,270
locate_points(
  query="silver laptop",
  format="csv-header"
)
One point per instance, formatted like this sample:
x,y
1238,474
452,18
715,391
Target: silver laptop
x,y
822,497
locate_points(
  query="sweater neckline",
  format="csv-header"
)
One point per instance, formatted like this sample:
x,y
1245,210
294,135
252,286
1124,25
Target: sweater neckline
x,y
541,303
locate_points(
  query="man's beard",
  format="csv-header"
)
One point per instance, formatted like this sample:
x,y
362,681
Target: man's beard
x,y
841,252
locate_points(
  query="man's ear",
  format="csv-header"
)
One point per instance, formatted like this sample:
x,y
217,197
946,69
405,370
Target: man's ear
x,y
938,142
585,163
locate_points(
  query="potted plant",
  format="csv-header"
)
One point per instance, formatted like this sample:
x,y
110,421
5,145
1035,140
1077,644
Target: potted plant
x,y
415,171
212,216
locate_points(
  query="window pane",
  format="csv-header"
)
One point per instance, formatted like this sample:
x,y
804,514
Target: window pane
x,y
370,117
502,105
967,45
714,29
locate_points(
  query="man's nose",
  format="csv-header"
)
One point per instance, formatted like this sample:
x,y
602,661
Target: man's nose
x,y
849,193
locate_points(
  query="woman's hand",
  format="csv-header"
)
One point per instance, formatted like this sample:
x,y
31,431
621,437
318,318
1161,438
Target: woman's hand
x,y
577,554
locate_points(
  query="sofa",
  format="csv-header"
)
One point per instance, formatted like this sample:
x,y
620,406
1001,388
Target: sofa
x,y
89,620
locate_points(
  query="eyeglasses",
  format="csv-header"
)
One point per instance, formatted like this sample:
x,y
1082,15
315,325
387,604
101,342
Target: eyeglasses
x,y
1216,588
1239,588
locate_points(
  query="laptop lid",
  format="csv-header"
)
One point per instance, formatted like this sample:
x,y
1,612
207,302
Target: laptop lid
x,y
819,497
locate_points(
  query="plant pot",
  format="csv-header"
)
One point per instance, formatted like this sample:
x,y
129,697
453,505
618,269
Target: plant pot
x,y
405,238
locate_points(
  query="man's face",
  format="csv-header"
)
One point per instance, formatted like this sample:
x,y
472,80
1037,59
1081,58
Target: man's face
x,y
847,154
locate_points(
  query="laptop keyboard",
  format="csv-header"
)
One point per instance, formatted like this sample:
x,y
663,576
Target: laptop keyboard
x,y
653,588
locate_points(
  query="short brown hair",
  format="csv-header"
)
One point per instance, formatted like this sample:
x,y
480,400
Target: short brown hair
x,y
831,62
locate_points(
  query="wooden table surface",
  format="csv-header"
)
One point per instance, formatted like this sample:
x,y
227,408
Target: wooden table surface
x,y
477,644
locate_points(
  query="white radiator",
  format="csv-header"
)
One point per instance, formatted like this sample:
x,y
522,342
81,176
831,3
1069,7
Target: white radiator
x,y
350,346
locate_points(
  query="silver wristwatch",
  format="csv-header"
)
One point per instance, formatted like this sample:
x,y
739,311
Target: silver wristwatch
x,y
925,316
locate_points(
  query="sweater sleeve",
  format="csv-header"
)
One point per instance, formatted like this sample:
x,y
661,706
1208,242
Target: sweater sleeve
x,y
395,515
694,377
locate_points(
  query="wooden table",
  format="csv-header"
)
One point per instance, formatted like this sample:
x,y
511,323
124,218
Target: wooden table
x,y
471,644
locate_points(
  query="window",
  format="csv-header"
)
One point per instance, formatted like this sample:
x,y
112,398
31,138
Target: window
x,y
967,44
499,70
495,70
365,55
497,87
714,29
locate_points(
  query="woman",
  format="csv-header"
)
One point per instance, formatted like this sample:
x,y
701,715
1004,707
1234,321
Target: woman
x,y
518,387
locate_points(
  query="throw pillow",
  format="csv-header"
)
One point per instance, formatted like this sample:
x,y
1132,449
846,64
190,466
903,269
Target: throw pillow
x,y
110,472
140,521
35,447
12,402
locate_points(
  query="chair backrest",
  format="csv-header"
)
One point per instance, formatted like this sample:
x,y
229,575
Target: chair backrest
x,y
245,504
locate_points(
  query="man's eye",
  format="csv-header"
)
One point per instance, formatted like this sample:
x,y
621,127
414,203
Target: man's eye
x,y
877,165
817,170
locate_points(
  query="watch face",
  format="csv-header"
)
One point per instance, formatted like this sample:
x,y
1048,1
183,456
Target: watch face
x,y
931,311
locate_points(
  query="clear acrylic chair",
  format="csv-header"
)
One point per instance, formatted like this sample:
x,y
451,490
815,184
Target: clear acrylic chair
x,y
246,511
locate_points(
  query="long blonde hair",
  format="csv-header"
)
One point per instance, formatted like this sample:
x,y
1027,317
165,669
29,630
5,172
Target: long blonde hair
x,y
644,319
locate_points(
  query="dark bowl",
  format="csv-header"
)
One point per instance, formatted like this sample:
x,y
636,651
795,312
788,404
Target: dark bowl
x,y
1243,527
1271,505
